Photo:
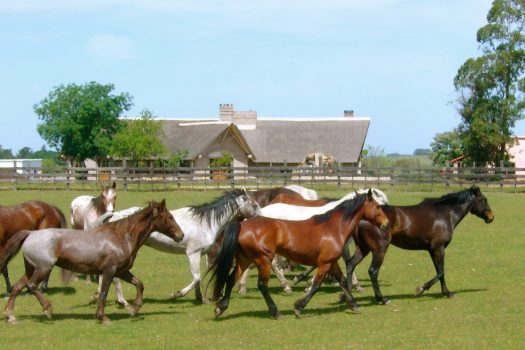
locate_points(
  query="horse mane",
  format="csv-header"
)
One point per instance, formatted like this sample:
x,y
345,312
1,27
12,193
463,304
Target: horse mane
x,y
135,222
98,204
450,198
349,206
217,208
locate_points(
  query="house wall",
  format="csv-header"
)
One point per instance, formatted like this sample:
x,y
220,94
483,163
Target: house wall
x,y
517,154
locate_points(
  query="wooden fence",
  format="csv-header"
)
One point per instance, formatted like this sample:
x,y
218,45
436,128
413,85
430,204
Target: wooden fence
x,y
166,179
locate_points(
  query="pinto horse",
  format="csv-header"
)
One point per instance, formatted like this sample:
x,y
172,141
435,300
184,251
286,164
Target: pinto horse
x,y
265,197
426,226
317,241
86,209
34,215
108,250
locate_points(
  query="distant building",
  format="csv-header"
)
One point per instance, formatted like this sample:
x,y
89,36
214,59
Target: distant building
x,y
18,165
517,154
264,141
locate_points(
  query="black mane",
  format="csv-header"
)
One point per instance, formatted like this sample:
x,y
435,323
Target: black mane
x,y
217,208
349,206
450,199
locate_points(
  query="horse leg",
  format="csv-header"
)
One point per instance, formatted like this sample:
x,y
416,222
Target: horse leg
x,y
107,277
121,300
137,303
40,274
5,273
94,297
373,272
346,257
241,266
17,288
359,255
300,304
195,268
438,258
303,275
280,275
242,281
264,266
338,274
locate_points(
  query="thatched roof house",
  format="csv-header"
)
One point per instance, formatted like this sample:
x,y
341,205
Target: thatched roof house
x,y
262,141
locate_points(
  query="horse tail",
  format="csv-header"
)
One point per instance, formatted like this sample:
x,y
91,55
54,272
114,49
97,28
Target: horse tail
x,y
12,247
221,267
63,221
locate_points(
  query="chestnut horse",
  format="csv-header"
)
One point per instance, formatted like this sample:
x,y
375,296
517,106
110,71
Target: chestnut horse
x,y
426,226
34,215
108,250
317,241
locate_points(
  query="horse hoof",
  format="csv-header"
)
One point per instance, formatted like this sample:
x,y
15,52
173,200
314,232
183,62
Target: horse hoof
x,y
105,321
218,311
288,290
297,313
385,301
358,289
93,299
242,291
451,295
278,316
419,291
122,304
354,307
10,319
176,295
132,310
48,312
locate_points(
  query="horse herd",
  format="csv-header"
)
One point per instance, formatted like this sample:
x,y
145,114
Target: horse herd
x,y
242,228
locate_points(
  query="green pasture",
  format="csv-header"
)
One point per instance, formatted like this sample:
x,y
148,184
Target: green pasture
x,y
485,266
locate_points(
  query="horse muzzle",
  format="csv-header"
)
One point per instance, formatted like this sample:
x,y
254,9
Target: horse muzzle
x,y
489,216
384,226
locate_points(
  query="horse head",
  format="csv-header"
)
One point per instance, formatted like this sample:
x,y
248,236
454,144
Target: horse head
x,y
109,197
248,206
164,222
373,212
480,206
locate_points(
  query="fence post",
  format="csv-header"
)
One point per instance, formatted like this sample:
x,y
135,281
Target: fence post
x,y
15,180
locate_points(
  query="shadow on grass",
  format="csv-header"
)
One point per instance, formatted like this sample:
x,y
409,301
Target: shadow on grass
x,y
91,316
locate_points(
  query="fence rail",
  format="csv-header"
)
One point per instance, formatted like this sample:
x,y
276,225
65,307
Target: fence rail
x,y
133,179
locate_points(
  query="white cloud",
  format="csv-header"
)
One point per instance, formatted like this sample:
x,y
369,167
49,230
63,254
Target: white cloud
x,y
110,47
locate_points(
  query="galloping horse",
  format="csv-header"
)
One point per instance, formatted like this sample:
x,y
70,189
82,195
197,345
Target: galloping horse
x,y
108,250
85,210
288,211
34,215
426,226
200,225
317,241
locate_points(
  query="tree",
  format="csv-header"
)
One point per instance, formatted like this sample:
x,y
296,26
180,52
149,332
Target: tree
x,y
24,153
139,139
80,120
491,87
446,146
224,160
6,153
421,152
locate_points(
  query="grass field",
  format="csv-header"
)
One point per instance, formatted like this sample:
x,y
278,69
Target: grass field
x,y
485,267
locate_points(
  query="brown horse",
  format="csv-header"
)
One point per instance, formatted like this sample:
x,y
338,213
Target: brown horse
x,y
426,226
295,199
34,215
317,241
265,197
108,250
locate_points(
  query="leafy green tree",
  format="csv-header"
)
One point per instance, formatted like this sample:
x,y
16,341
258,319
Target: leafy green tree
x,y
6,153
446,146
421,152
224,160
491,87
44,153
24,153
177,159
139,139
80,120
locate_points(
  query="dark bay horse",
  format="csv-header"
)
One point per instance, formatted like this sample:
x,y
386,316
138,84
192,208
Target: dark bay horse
x,y
317,241
34,215
426,226
108,250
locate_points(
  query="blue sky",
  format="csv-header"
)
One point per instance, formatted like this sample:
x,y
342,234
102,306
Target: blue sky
x,y
391,60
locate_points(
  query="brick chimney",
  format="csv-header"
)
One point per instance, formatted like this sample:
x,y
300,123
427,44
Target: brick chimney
x,y
349,113
226,112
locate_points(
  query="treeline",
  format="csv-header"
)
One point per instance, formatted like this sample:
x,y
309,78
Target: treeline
x,y
49,158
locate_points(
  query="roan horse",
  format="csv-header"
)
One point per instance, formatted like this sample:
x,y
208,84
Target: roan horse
x,y
200,225
426,226
317,241
108,250
34,215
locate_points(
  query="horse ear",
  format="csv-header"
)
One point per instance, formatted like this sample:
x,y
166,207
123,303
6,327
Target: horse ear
x,y
369,194
114,186
162,205
475,190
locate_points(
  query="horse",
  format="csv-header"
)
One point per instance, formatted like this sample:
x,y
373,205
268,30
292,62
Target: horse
x,y
264,197
200,225
299,200
109,250
33,215
86,209
317,241
428,226
288,211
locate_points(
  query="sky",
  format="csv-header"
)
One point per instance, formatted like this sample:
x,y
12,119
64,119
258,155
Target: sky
x,y
391,60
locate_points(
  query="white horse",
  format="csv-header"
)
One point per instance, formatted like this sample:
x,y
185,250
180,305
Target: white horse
x,y
200,225
295,212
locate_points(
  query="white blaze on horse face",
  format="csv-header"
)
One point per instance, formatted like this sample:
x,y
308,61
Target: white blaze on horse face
x,y
109,199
